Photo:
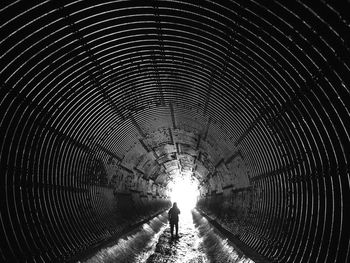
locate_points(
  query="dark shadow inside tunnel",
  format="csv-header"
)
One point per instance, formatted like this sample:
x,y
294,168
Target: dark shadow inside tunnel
x,y
104,105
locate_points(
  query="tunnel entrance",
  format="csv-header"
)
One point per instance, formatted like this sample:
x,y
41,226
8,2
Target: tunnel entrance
x,y
184,190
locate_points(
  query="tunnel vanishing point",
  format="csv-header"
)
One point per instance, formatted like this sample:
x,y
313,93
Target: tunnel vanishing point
x,y
104,103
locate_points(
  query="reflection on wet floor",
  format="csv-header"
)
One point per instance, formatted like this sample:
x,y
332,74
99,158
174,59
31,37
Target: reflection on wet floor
x,y
186,248
198,242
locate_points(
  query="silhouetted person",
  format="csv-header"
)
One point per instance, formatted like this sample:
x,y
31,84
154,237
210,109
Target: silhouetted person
x,y
173,216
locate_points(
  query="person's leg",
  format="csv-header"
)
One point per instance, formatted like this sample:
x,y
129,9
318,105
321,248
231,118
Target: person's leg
x,y
177,228
172,229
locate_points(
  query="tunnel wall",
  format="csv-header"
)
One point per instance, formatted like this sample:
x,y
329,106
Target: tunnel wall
x,y
57,222
54,218
282,215
251,97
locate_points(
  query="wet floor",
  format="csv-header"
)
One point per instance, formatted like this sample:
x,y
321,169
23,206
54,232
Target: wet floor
x,y
186,248
152,243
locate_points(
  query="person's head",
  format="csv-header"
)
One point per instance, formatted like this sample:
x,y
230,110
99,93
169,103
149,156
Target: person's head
x,y
175,204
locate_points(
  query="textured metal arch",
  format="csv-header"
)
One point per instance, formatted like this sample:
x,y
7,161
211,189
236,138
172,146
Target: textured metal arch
x,y
250,97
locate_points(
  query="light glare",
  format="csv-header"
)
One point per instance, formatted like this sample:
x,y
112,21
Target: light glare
x,y
185,192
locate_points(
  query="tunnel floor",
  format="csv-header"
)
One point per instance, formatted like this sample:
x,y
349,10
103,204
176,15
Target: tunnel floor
x,y
198,241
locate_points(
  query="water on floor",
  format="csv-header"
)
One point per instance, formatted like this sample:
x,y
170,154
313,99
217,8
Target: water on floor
x,y
198,242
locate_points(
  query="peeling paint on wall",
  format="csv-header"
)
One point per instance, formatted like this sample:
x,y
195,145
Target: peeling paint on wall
x,y
161,136
239,173
184,137
134,155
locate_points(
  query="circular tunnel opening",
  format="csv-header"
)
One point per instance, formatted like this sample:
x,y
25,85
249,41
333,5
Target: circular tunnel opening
x,y
183,190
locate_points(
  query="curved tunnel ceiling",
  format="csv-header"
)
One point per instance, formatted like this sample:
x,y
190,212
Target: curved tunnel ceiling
x,y
238,94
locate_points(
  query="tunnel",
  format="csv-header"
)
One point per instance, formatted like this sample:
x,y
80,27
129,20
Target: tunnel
x,y
105,103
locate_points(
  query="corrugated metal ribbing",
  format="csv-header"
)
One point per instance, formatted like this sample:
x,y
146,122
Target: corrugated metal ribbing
x,y
98,99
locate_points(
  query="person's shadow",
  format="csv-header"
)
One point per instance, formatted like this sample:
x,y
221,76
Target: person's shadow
x,y
173,241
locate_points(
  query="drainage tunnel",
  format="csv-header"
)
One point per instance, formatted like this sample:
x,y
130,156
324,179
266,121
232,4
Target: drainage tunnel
x,y
105,104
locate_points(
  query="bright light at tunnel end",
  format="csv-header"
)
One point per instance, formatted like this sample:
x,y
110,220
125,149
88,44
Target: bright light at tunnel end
x,y
184,192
